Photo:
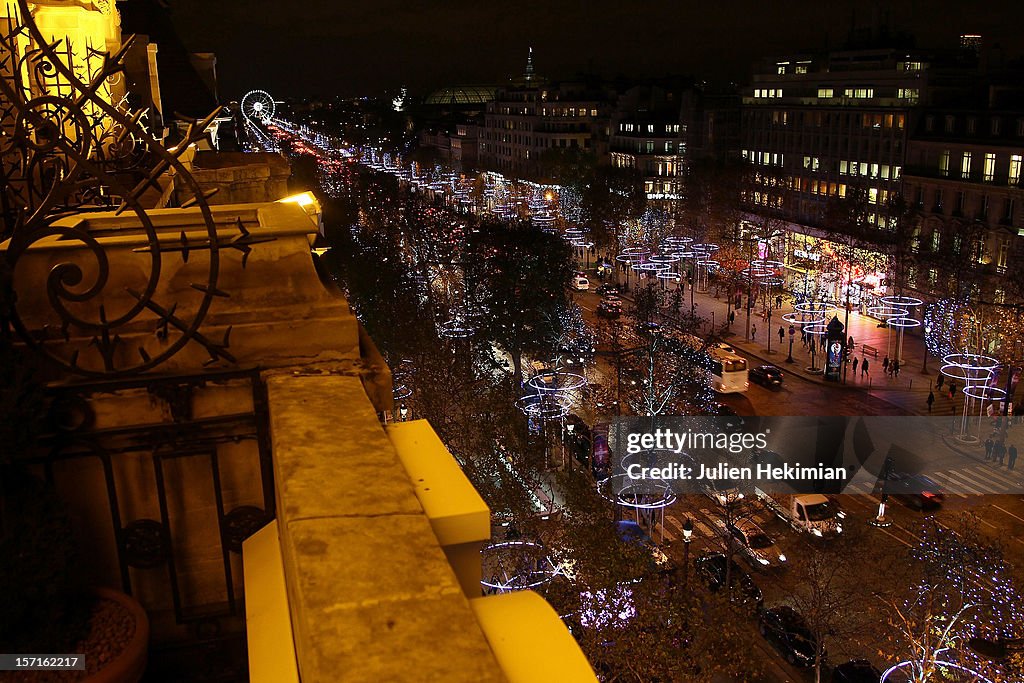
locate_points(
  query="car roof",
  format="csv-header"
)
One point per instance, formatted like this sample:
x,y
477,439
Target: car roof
x,y
748,527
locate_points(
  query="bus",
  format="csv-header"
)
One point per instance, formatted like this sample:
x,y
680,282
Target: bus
x,y
728,370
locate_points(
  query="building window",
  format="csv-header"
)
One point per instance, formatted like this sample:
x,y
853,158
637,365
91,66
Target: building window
x,y
995,125
972,125
825,93
936,239
781,69
989,169
650,127
593,112
911,66
1004,256
1015,163
801,68
860,93
944,163
910,95
650,146
929,123
938,200
983,212
950,122
961,199
668,147
1008,206
1020,128
965,166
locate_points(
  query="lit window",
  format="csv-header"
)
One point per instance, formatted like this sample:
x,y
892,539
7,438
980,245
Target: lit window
x,y
593,112
801,68
990,167
843,167
965,165
650,127
825,93
910,95
1015,163
911,66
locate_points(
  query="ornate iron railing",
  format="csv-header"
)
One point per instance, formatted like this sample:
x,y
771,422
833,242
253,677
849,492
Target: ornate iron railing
x,y
70,146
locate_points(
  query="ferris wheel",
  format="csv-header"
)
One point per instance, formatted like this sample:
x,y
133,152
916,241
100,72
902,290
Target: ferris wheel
x,y
257,105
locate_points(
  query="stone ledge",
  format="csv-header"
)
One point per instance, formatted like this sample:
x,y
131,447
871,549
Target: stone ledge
x,y
371,595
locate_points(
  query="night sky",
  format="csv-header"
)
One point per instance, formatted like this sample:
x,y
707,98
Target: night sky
x,y
326,47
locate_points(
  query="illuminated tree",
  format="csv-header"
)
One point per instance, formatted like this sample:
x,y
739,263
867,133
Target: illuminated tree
x,y
960,588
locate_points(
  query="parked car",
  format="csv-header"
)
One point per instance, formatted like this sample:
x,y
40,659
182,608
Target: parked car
x,y
787,631
580,283
609,309
856,671
916,490
767,376
711,569
756,547
607,288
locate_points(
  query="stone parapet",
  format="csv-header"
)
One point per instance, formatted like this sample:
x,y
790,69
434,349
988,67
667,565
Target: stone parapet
x,y
372,596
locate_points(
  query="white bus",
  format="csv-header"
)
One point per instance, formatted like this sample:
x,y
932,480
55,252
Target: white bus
x,y
728,370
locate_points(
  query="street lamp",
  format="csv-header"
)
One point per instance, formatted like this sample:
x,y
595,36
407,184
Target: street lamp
x,y
569,428
403,412
792,334
687,537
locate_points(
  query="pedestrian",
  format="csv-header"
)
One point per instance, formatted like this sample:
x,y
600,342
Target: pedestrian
x,y
864,367
855,361
732,317
803,338
931,400
778,301
1011,457
782,334
952,390
896,368
940,380
999,452
753,331
989,446
885,364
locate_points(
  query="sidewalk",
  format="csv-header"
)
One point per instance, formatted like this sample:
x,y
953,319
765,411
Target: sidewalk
x,y
909,391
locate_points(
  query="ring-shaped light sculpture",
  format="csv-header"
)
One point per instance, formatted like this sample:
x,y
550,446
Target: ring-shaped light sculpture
x,y
527,563
887,312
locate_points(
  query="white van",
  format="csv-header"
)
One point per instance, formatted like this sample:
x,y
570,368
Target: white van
x,y
580,283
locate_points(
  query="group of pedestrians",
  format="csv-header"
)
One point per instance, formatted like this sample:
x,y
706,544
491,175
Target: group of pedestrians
x,y
996,450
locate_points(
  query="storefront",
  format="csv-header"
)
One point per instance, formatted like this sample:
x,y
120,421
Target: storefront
x,y
821,270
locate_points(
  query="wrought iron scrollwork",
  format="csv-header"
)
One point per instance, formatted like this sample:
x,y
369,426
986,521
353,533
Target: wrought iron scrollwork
x,y
240,524
70,145
144,544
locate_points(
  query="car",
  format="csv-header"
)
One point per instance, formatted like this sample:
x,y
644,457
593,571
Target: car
x,y
711,568
606,288
580,283
856,671
916,490
609,309
756,547
730,418
767,376
787,631
648,329
725,492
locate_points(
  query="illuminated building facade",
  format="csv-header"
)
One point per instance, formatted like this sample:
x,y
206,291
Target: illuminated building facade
x,y
648,134
963,182
815,127
532,123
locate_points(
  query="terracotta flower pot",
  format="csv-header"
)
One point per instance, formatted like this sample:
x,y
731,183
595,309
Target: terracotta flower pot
x,y
128,665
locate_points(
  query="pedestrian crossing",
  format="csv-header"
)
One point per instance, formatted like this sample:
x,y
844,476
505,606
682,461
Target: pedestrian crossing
x,y
976,480
703,527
